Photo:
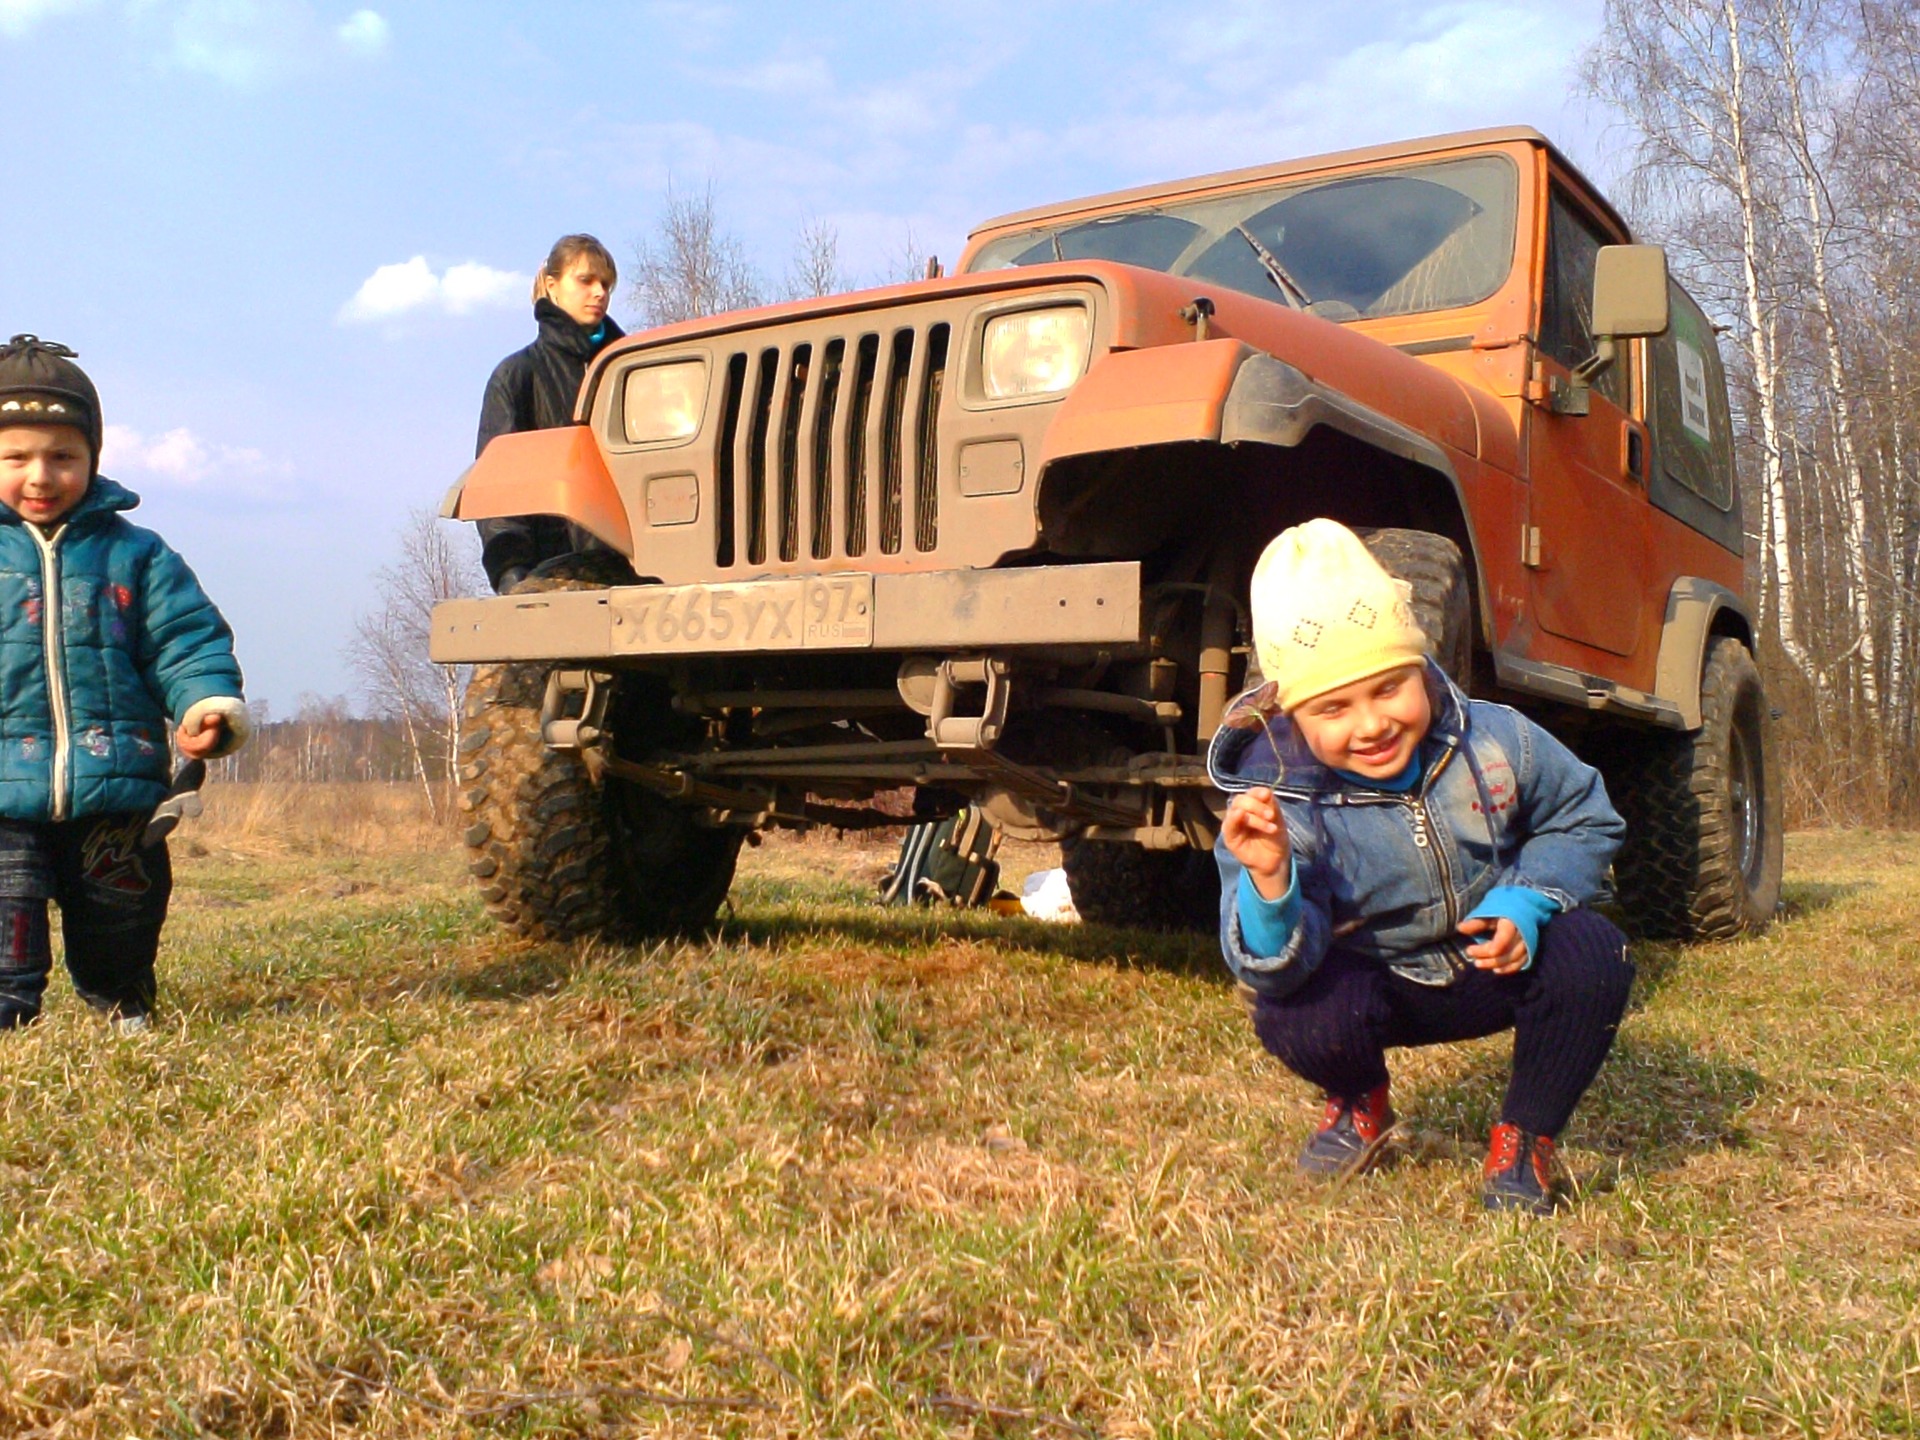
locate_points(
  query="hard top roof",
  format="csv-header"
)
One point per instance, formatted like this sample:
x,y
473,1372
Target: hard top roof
x,y
1224,179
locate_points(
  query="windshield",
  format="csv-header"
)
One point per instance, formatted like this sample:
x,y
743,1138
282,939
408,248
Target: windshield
x,y
1392,242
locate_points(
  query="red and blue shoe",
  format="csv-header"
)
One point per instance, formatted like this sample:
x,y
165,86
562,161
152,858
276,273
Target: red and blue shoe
x,y
1518,1174
1349,1135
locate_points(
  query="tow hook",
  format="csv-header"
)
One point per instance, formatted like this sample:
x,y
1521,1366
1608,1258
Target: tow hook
x,y
970,732
582,729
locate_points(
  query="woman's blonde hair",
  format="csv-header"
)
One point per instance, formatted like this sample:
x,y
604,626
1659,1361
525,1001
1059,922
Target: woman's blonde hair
x,y
566,250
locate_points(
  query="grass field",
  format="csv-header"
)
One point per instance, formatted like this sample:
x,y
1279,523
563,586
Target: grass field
x,y
380,1172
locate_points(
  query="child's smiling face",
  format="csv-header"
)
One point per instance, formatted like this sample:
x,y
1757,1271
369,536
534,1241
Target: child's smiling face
x,y
1371,727
44,470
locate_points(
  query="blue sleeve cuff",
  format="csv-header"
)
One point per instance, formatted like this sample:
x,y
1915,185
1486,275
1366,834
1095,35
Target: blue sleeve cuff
x,y
1267,925
1529,911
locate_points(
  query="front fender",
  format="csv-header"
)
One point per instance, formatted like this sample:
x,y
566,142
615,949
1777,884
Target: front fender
x,y
544,472
1158,396
1224,391
1273,403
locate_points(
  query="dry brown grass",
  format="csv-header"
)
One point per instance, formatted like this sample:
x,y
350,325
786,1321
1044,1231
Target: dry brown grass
x,y
848,1172
269,818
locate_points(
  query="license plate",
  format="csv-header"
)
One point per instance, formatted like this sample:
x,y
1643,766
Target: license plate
x,y
832,612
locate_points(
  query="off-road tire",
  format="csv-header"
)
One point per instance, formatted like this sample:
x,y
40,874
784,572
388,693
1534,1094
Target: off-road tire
x,y
556,856
1116,883
1442,598
1702,857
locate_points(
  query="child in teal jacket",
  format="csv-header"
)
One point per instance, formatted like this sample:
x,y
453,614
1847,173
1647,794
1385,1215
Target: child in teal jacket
x,y
104,634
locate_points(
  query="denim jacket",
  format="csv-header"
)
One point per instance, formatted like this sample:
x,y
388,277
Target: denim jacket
x,y
1390,876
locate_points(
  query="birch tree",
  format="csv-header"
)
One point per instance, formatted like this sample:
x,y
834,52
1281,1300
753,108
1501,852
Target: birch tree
x,y
1682,73
1774,148
1790,24
388,651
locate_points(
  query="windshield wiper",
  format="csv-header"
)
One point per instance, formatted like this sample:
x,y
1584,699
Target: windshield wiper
x,y
1289,287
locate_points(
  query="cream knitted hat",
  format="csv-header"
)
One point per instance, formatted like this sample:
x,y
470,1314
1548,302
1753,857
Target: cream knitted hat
x,y
1325,614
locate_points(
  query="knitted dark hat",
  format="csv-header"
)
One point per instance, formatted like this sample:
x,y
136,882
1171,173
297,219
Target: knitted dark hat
x,y
40,385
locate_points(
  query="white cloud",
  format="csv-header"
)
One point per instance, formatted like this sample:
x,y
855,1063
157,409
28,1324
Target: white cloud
x,y
239,42
694,25
412,286
474,286
365,32
19,16
250,43
182,458
1392,76
950,140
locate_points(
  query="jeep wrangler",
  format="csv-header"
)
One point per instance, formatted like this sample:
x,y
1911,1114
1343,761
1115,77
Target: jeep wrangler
x,y
989,535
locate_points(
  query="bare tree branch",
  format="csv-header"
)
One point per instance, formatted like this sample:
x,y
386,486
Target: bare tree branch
x,y
815,268
691,266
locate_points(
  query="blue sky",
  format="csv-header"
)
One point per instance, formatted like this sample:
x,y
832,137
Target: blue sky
x,y
291,238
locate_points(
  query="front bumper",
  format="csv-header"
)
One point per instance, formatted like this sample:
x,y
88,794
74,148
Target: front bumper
x,y
1050,605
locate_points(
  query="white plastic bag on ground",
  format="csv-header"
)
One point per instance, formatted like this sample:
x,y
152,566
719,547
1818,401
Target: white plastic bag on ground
x,y
1045,896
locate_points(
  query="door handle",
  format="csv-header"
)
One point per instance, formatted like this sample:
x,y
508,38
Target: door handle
x,y
1633,451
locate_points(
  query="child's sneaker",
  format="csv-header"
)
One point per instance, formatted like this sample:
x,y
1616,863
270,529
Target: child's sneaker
x,y
1519,1172
123,1017
1350,1132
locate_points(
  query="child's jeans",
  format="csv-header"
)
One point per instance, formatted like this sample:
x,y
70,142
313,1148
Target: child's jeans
x,y
1334,1030
112,896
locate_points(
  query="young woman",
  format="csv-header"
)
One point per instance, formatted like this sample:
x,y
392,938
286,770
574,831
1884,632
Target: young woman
x,y
534,389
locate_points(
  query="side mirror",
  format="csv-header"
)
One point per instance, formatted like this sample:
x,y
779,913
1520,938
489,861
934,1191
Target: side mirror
x,y
1629,300
1629,291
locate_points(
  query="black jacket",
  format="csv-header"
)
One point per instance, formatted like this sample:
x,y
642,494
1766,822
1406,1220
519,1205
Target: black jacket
x,y
534,389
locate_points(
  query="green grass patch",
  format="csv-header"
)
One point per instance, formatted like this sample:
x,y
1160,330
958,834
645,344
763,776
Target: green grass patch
x,y
380,1171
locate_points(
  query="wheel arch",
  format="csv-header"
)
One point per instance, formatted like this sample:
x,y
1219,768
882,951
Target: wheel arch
x,y
1698,612
1273,403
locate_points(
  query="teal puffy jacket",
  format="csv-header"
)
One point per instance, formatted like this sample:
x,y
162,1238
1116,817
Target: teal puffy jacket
x,y
87,684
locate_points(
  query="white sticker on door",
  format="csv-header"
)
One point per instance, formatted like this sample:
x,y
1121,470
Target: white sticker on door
x,y
1693,391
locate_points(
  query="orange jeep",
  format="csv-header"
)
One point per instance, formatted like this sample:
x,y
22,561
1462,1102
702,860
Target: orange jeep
x,y
989,535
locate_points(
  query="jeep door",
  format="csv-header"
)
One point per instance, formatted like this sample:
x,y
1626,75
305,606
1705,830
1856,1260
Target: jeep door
x,y
1588,497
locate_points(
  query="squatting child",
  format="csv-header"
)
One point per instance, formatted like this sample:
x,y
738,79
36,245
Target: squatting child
x,y
1401,866
104,634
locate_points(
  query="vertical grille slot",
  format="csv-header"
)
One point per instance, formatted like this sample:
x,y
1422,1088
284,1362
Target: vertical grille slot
x,y
859,446
820,539
791,404
926,486
723,506
757,457
893,415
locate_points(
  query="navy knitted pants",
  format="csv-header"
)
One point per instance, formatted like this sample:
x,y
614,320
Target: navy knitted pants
x,y
112,895
1335,1030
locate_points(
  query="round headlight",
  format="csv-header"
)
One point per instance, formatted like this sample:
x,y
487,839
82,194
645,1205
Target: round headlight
x,y
1033,352
664,402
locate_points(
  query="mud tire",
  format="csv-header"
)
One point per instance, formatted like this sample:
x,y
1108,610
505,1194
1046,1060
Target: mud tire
x,y
1120,884
1442,598
1702,857
557,857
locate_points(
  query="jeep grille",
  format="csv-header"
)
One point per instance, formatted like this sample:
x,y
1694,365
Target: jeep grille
x,y
825,444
